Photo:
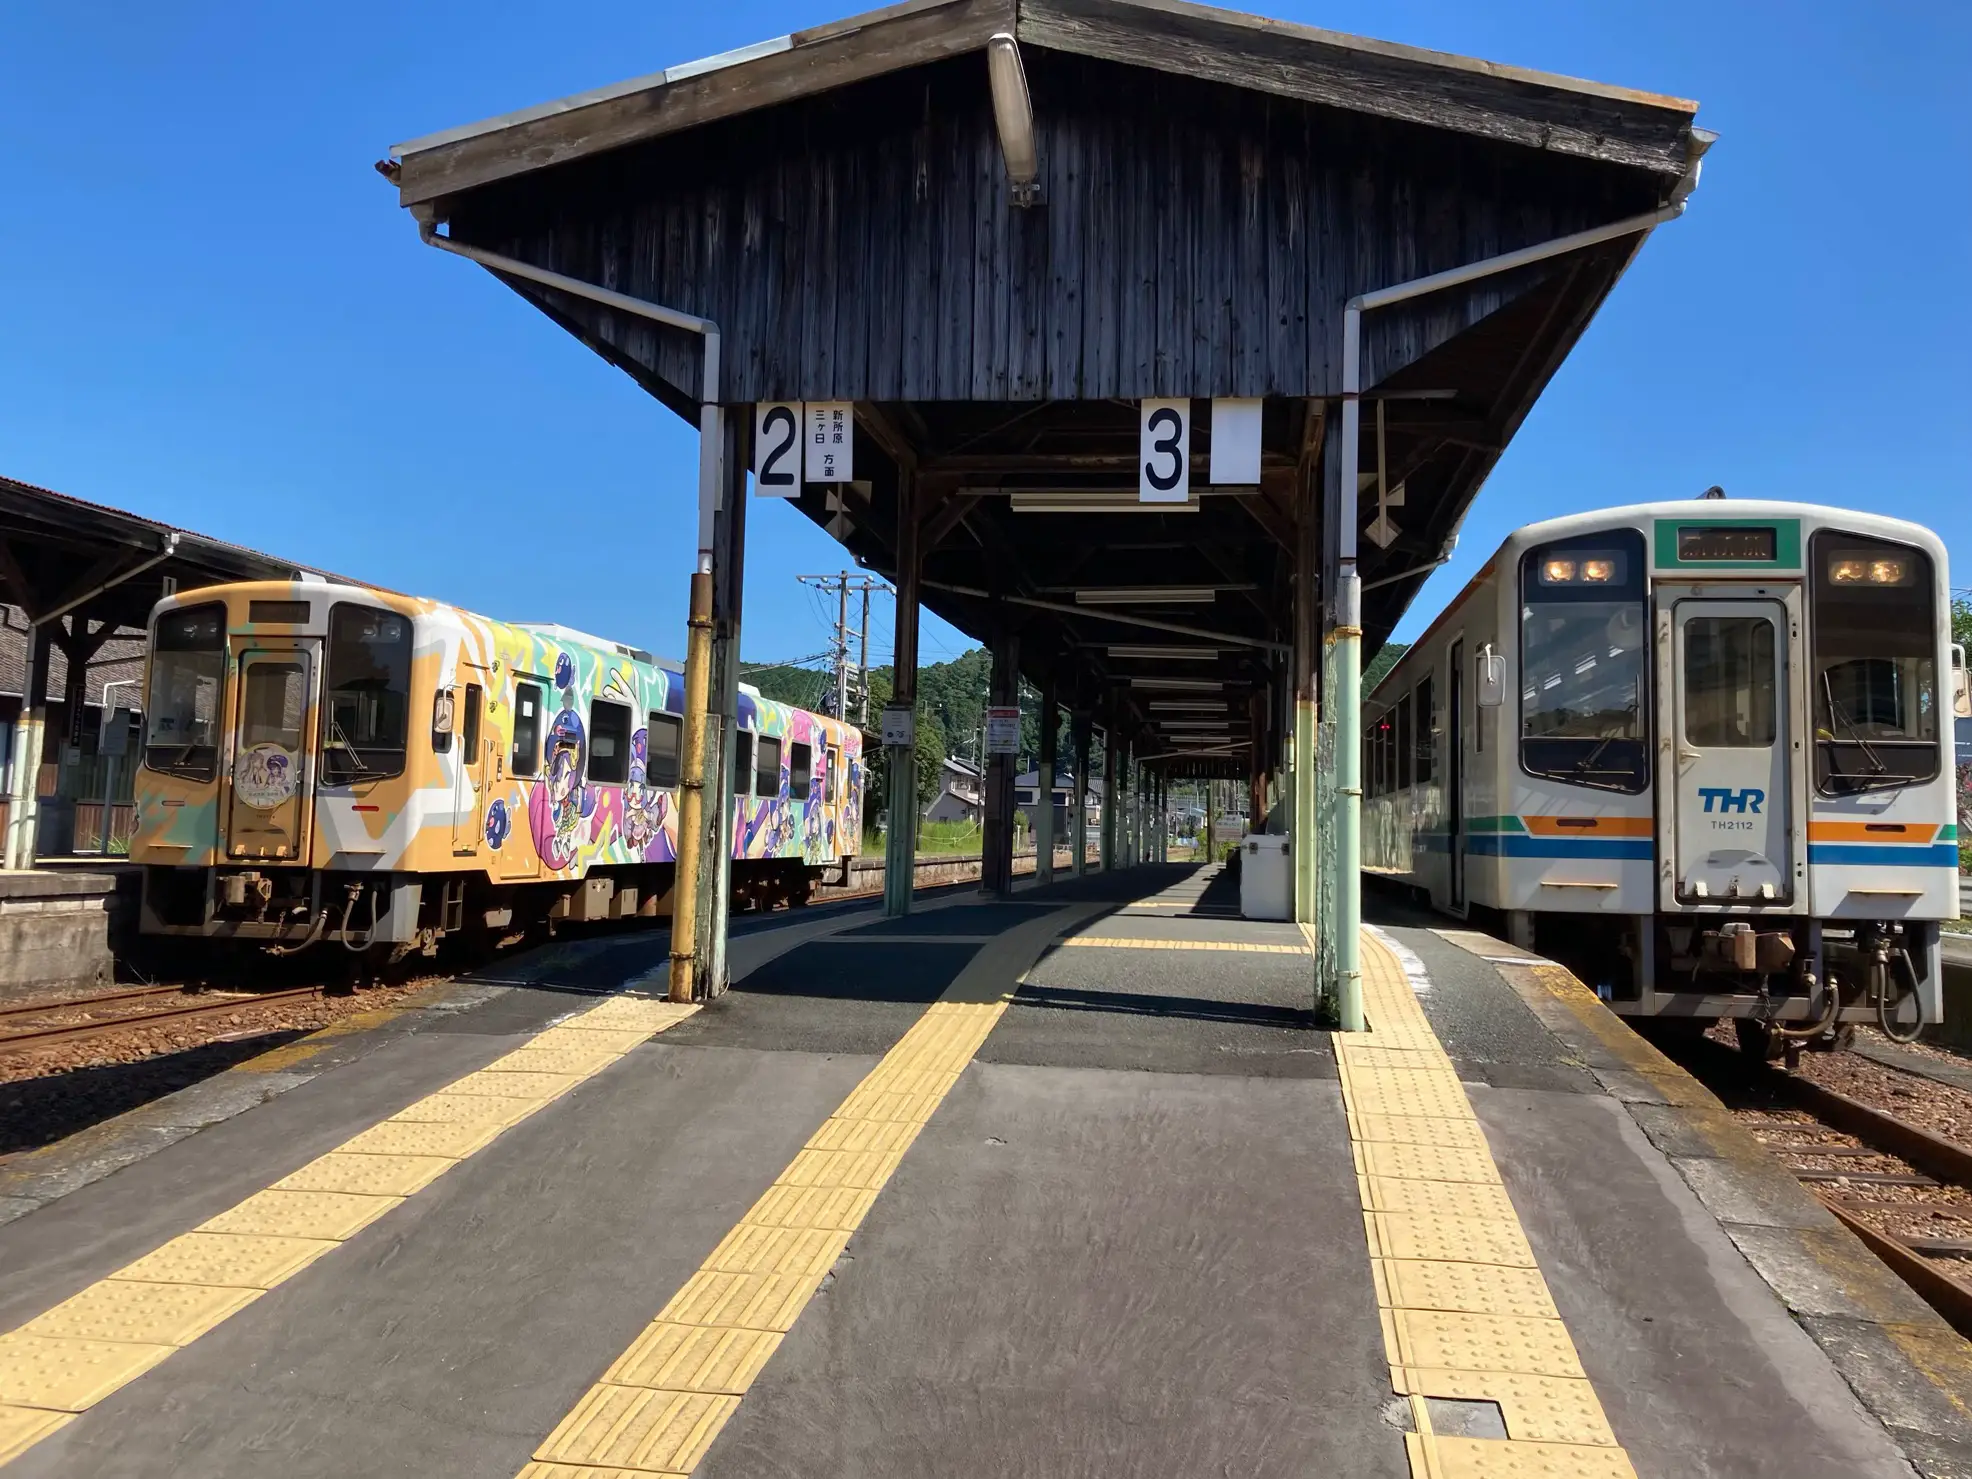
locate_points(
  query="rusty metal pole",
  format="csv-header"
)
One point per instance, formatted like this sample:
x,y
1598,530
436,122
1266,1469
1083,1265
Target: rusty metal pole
x,y
691,790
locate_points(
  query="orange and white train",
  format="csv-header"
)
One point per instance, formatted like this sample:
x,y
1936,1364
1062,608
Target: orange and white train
x,y
332,762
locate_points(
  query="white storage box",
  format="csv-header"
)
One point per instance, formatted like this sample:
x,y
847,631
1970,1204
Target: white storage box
x,y
1266,878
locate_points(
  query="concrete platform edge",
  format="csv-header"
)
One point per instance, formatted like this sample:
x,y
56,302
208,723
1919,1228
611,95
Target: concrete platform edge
x,y
1910,1370
38,1177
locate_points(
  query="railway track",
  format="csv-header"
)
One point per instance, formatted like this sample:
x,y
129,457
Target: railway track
x,y
13,1039
1904,1191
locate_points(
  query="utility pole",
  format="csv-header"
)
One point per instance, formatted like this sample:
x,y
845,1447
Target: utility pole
x,y
843,584
842,648
863,658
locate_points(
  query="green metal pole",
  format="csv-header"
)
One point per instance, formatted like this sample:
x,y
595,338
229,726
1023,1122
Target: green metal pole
x,y
1348,714
1302,786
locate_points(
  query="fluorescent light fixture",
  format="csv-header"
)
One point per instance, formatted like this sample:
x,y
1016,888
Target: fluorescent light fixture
x,y
1145,595
1215,707
1181,685
1013,111
1222,725
1089,501
1167,654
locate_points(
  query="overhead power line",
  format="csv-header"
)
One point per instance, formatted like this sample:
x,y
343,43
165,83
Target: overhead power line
x,y
850,678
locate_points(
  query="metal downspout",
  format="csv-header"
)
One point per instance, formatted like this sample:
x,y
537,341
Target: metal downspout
x,y
1347,602
698,651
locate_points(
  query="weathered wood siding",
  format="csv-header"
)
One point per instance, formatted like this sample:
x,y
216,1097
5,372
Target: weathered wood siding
x,y
1196,239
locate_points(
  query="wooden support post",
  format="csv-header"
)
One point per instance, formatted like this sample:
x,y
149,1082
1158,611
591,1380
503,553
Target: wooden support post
x,y
728,583
1111,792
1044,774
22,814
1308,543
900,840
1079,803
996,833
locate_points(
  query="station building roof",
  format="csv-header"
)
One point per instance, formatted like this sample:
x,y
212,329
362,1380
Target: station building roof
x,y
60,554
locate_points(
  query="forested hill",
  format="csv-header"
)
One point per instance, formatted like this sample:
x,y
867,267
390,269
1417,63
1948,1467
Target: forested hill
x,y
953,693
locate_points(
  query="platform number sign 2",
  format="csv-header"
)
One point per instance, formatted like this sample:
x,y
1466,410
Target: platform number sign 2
x,y
1164,453
777,449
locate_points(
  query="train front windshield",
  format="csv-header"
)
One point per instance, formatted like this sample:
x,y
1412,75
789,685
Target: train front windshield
x,y
188,672
366,695
1582,653
1874,669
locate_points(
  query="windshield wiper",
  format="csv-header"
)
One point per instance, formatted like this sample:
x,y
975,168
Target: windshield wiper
x,y
1587,762
1878,777
337,737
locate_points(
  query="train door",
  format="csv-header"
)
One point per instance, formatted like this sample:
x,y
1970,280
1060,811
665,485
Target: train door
x,y
1455,775
469,780
517,856
270,803
1731,801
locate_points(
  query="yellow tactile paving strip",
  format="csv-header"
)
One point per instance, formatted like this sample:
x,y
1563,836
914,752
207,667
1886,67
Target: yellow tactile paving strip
x,y
1117,942
1466,1314
662,1402
67,1360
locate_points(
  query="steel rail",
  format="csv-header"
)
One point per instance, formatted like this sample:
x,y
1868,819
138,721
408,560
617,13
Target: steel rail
x,y
47,1037
79,1003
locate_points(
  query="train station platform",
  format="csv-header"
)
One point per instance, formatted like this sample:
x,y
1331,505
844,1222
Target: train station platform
x,y
1070,1184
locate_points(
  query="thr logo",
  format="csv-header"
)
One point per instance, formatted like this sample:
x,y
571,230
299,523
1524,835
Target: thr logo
x,y
1728,800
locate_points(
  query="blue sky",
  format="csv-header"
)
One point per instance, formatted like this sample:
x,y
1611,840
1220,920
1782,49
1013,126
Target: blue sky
x,y
215,313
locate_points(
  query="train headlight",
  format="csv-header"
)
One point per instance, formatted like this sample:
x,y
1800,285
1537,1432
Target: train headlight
x,y
1869,569
1558,572
1599,572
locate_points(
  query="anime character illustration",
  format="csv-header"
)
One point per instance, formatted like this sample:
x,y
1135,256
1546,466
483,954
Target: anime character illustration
x,y
498,824
814,827
264,777
852,800
645,807
564,671
560,800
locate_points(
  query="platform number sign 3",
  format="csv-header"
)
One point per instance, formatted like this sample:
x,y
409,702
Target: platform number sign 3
x,y
1164,453
777,449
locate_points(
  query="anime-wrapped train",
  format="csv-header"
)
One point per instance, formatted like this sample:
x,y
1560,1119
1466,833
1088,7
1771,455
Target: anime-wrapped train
x,y
331,762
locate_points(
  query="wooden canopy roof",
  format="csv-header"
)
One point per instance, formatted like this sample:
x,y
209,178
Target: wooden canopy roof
x,y
1214,187
1539,110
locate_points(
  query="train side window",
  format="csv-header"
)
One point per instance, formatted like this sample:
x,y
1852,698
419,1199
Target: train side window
x,y
526,756
609,742
469,725
1426,749
767,767
832,778
743,763
664,743
800,771
1403,743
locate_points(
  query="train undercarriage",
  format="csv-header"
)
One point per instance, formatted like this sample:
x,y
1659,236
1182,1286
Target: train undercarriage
x,y
391,916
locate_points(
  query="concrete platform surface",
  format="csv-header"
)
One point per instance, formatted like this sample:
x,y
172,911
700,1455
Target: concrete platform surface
x,y
1069,1185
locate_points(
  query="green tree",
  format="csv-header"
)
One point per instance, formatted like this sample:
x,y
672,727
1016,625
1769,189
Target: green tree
x,y
1961,621
802,687
931,759
1383,662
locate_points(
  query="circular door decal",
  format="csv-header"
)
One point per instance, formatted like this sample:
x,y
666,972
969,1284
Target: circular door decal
x,y
266,776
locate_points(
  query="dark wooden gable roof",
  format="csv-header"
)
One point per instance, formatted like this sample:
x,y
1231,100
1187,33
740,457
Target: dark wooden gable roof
x,y
1511,104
